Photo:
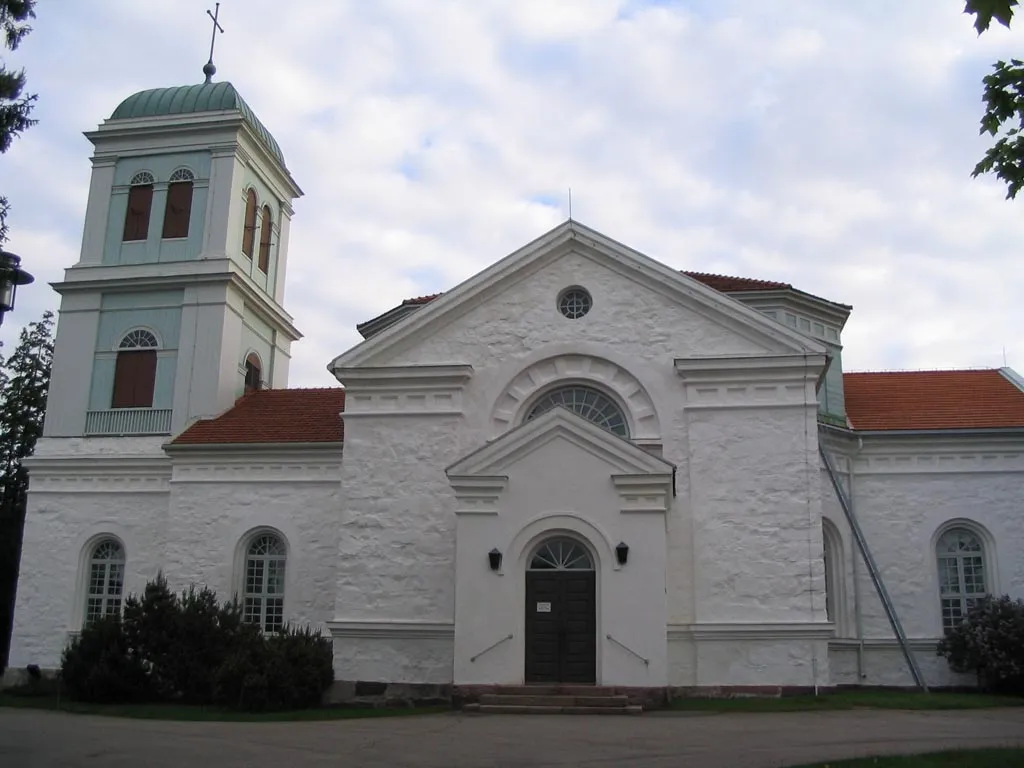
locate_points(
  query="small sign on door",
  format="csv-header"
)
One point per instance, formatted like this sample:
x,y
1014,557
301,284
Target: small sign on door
x,y
543,607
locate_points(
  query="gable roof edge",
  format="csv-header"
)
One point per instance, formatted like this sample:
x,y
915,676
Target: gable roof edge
x,y
660,275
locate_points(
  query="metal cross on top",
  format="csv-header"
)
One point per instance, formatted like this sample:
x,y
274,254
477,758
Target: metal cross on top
x,y
209,69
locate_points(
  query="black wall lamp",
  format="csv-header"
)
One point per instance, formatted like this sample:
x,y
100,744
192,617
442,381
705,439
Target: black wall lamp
x,y
494,558
11,276
622,552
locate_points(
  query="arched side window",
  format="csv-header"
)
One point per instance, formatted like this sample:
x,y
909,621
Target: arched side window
x,y
106,580
253,373
263,602
962,578
561,554
266,234
140,202
135,370
178,210
587,402
831,554
249,233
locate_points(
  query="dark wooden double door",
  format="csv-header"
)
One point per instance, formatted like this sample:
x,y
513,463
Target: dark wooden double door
x,y
561,627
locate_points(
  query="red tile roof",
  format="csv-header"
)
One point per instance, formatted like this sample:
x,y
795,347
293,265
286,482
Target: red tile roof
x,y
419,300
728,284
274,416
932,400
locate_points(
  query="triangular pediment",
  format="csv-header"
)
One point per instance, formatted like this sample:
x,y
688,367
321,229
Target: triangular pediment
x,y
571,237
559,424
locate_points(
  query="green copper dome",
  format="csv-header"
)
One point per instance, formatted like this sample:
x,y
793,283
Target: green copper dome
x,y
189,99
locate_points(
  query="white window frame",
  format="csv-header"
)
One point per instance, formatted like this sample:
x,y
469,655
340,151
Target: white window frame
x,y
110,592
256,569
962,596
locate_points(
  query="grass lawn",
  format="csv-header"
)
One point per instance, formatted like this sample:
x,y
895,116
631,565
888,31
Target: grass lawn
x,y
968,758
213,714
850,700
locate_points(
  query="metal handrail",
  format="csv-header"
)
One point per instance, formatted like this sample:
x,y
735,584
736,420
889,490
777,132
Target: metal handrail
x,y
647,662
490,647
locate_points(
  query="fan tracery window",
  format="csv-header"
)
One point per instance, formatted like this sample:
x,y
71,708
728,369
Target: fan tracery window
x,y
561,554
587,402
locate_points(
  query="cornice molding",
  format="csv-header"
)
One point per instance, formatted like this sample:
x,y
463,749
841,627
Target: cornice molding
x,y
107,474
406,390
883,644
751,631
644,493
771,381
477,494
392,629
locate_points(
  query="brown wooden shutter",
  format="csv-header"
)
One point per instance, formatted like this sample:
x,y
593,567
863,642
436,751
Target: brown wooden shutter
x,y
136,220
249,235
178,210
266,232
134,379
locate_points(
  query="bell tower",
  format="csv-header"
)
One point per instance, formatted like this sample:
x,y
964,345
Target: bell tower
x,y
175,306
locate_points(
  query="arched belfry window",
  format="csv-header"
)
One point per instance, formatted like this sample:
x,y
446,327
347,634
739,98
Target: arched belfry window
x,y
587,402
561,554
249,233
962,579
106,580
266,234
135,370
178,210
264,582
253,373
140,202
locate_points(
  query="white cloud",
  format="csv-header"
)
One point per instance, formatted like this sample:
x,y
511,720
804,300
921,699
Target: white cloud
x,y
825,145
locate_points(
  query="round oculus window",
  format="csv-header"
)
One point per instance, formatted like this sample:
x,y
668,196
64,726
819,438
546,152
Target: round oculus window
x,y
574,303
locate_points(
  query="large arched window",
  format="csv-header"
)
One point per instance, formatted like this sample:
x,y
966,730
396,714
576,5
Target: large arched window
x,y
561,554
249,233
592,404
264,582
266,233
140,202
178,210
106,580
135,370
961,558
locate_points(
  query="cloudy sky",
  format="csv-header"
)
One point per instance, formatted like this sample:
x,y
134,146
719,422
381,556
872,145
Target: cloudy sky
x,y
824,144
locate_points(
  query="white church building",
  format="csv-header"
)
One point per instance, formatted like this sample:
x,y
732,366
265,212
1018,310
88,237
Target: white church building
x,y
578,466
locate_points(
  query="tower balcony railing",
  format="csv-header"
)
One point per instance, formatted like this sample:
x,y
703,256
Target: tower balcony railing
x,y
128,421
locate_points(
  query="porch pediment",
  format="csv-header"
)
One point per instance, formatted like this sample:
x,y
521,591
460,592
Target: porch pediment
x,y
643,481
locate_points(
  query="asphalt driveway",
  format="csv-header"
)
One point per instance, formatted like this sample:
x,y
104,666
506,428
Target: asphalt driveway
x,y
33,739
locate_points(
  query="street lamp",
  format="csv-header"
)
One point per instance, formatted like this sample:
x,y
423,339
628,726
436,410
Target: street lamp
x,y
11,276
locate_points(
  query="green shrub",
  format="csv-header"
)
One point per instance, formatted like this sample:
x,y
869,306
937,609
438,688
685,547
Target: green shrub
x,y
194,650
99,666
989,642
288,670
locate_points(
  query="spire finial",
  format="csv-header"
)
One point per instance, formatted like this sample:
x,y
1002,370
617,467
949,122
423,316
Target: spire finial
x,y
209,69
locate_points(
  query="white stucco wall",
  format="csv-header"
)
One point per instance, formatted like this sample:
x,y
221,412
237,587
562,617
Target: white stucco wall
x,y
904,493
736,464
70,508
190,529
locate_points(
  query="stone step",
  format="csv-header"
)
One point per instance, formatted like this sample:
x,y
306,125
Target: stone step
x,y
555,689
554,700
511,709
